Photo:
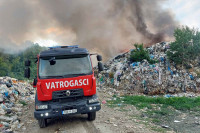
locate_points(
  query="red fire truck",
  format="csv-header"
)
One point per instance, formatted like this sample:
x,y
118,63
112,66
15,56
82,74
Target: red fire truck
x,y
65,83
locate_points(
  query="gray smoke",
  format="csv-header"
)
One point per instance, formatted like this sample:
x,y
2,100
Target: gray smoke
x,y
105,26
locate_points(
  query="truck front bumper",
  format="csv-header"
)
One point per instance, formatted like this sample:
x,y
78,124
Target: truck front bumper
x,y
68,108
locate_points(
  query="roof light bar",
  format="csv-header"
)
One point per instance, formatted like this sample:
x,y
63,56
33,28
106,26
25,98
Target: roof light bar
x,y
72,46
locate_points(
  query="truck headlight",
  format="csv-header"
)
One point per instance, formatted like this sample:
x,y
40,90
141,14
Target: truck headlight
x,y
94,100
40,107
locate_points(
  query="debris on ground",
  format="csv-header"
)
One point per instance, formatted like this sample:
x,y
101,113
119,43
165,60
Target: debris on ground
x,y
14,95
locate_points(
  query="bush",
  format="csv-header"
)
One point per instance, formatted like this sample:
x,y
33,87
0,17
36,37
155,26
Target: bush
x,y
153,61
139,54
186,47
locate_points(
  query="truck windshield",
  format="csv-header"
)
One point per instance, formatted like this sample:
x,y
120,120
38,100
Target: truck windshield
x,y
64,66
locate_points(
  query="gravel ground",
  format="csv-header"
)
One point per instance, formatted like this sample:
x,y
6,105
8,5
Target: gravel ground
x,y
108,120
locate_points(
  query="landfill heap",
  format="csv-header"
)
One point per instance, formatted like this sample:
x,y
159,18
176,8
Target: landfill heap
x,y
14,95
121,76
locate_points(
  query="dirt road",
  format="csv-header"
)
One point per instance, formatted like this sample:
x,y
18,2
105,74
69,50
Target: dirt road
x,y
75,124
109,120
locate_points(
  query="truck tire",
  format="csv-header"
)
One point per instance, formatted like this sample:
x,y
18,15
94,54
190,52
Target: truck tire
x,y
42,123
91,116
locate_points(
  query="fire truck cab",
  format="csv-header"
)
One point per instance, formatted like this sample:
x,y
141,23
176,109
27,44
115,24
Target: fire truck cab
x,y
65,83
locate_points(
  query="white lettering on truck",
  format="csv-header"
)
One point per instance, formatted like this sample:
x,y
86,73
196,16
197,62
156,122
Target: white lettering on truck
x,y
71,83
66,84
84,82
48,85
52,85
61,84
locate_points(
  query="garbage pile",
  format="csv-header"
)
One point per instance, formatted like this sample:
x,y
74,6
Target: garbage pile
x,y
14,95
163,77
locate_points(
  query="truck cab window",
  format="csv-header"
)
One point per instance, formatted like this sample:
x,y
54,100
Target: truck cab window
x,y
65,66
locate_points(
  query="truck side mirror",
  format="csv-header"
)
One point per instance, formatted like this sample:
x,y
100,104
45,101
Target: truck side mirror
x,y
99,57
100,66
27,63
27,72
35,82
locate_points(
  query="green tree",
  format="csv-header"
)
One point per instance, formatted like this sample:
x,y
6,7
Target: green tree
x,y
186,46
17,68
13,64
4,71
31,54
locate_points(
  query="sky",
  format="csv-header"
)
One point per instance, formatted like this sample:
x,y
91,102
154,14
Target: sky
x,y
107,26
185,11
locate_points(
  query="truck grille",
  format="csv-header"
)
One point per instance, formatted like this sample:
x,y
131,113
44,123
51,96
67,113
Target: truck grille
x,y
67,93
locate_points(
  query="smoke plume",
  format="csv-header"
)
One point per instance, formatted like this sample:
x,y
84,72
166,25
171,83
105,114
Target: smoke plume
x,y
105,26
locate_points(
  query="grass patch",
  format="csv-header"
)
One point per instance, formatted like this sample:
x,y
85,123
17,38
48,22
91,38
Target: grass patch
x,y
155,120
157,129
144,105
158,110
179,103
23,103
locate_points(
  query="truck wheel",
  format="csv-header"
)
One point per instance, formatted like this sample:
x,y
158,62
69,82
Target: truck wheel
x,y
91,116
42,123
